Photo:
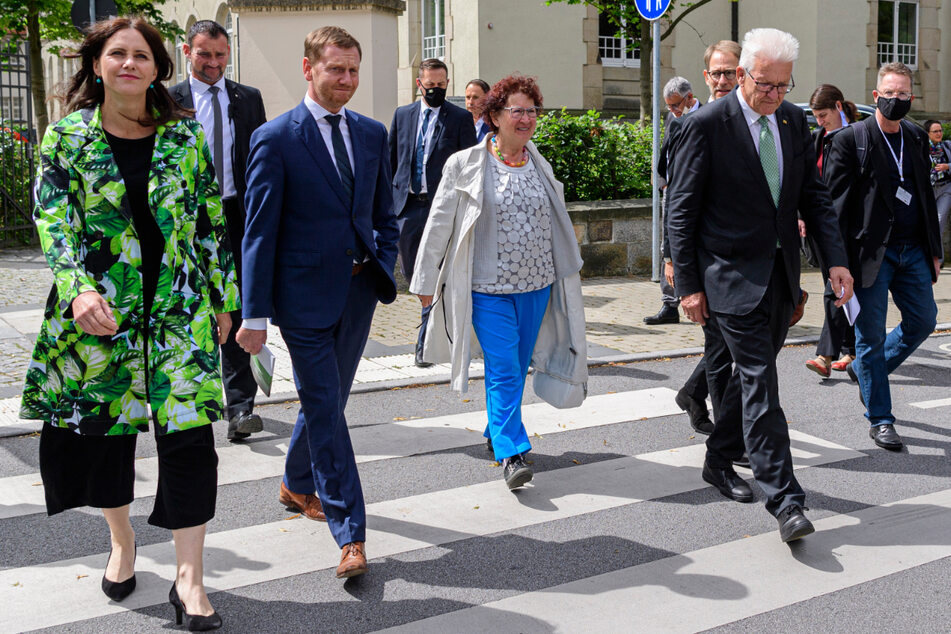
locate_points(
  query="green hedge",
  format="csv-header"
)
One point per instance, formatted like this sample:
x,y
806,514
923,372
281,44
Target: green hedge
x,y
596,159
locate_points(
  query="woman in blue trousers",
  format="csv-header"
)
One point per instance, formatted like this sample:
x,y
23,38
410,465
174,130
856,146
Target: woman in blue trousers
x,y
499,258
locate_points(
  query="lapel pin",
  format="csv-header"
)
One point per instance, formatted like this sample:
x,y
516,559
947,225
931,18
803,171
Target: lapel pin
x,y
784,122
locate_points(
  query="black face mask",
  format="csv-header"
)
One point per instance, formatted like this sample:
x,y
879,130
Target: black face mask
x,y
893,109
435,96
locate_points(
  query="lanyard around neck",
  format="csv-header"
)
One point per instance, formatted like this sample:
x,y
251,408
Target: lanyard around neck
x,y
900,159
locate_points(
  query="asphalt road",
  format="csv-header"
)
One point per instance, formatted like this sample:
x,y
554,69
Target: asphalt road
x,y
616,533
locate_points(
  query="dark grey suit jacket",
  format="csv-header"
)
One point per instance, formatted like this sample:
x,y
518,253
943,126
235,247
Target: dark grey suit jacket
x,y
453,131
722,221
863,198
246,111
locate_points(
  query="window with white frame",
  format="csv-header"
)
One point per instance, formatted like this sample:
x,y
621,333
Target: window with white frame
x,y
613,50
434,29
228,23
898,32
179,56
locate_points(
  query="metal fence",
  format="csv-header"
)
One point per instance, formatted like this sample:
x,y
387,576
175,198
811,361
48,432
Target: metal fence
x,y
17,144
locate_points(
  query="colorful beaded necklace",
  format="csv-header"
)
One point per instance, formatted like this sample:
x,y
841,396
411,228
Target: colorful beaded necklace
x,y
507,162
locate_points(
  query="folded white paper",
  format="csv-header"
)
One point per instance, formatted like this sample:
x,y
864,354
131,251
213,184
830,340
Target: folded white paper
x,y
262,368
851,308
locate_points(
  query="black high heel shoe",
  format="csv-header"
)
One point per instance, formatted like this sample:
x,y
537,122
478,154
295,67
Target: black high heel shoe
x,y
119,590
193,622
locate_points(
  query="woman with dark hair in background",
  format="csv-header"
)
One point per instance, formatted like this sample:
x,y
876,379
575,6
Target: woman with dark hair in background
x,y
476,89
940,174
129,215
832,113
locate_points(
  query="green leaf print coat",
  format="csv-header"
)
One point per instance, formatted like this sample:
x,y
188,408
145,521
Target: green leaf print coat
x,y
99,385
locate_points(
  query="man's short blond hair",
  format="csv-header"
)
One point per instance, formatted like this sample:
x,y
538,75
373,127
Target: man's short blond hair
x,y
723,46
895,68
318,39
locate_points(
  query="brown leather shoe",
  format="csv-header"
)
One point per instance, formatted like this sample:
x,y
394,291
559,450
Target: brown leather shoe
x,y
353,560
308,504
800,308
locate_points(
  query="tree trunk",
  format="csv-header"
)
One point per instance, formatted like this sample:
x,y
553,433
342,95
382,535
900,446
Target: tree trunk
x,y
646,64
37,70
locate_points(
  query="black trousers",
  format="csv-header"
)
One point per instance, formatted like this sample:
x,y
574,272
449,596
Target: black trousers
x,y
748,414
236,376
412,221
837,336
99,471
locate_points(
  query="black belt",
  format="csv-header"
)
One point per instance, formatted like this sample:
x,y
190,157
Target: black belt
x,y
423,198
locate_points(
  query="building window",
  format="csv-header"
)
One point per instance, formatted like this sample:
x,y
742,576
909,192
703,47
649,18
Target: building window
x,y
434,29
180,70
613,50
11,110
898,32
228,23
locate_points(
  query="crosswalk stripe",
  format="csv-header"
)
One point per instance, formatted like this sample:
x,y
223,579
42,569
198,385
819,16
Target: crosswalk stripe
x,y
722,584
264,458
941,402
266,552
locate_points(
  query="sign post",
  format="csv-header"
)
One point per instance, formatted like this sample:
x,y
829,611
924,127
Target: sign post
x,y
653,10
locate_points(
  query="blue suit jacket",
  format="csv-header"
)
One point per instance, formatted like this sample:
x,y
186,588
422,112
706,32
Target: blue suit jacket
x,y
300,235
453,131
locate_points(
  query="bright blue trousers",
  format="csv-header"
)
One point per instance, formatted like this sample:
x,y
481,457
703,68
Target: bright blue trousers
x,y
507,327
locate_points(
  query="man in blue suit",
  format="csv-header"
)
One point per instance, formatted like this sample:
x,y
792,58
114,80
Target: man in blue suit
x,y
319,250
422,136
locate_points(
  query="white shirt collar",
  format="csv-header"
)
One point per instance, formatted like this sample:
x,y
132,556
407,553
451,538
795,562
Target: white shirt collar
x,y
751,115
319,111
201,86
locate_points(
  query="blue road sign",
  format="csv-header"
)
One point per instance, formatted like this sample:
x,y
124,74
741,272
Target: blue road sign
x,y
652,9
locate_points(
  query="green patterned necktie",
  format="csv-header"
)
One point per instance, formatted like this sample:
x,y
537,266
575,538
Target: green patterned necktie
x,y
768,158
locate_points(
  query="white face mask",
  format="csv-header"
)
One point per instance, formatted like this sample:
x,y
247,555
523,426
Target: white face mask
x,y
845,120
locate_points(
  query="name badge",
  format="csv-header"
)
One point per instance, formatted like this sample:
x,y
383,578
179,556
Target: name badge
x,y
903,195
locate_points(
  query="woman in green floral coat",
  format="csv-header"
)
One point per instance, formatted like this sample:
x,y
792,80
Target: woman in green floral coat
x,y
128,213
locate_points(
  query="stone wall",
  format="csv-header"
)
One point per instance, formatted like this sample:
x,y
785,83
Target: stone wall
x,y
614,235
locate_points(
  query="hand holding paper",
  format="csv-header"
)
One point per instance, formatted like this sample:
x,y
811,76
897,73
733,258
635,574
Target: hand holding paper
x,y
262,368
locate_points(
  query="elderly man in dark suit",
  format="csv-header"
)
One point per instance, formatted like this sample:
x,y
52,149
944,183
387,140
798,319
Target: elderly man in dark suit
x,y
878,170
422,136
319,249
229,112
735,245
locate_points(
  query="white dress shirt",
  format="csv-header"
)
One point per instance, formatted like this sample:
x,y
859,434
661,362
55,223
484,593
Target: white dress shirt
x,y
752,120
427,140
205,115
319,113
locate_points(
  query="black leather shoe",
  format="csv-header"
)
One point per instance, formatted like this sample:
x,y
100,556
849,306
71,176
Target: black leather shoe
x,y
119,590
193,622
742,461
793,524
516,472
243,424
885,437
418,361
728,483
696,412
666,315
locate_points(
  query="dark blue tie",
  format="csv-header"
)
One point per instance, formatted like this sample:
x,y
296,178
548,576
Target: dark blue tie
x,y
417,183
341,158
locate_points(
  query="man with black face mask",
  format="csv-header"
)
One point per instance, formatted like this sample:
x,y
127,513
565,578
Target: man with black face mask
x,y
422,136
878,172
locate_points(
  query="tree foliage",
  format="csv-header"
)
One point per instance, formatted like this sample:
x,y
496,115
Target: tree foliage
x,y
47,24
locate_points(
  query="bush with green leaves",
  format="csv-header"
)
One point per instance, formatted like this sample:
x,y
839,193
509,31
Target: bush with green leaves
x,y
596,159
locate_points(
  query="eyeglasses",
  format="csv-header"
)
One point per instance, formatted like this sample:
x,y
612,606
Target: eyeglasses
x,y
678,107
766,88
518,113
717,74
902,96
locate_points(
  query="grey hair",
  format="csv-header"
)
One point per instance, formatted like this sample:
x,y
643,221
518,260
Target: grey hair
x,y
678,86
770,45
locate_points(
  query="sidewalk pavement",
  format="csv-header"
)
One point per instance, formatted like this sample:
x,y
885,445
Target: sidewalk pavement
x,y
614,310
